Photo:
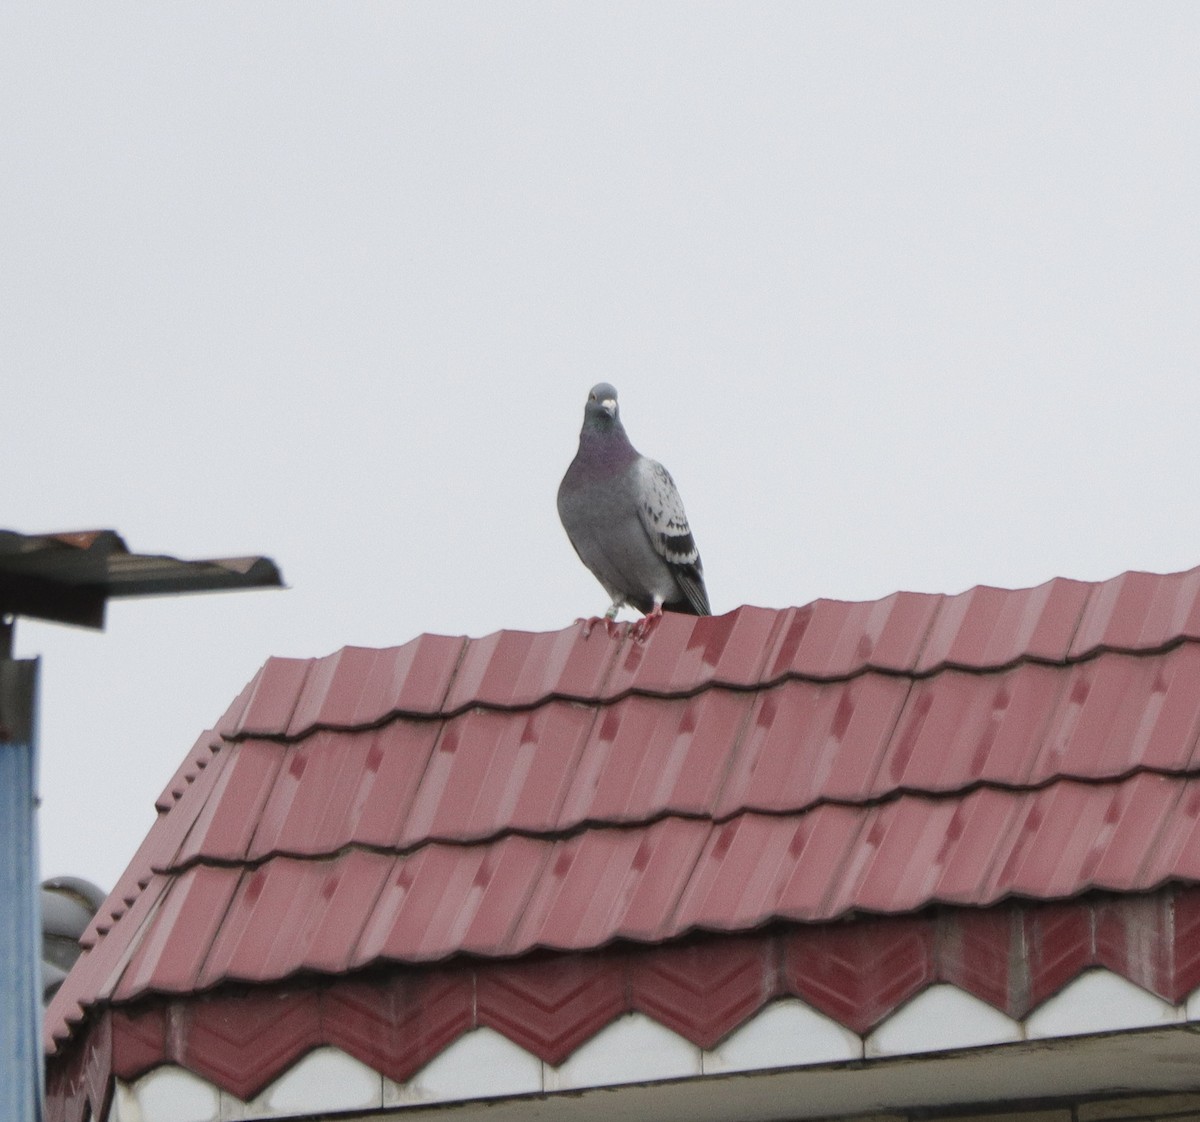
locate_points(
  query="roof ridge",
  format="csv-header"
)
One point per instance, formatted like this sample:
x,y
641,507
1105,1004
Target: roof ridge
x,y
916,634
865,670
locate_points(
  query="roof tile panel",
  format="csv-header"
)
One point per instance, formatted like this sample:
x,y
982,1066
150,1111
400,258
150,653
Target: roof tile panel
x,y
224,826
649,756
289,915
1140,611
807,742
1119,712
447,899
492,771
163,962
993,627
1137,812
958,728
835,639
756,867
1176,852
978,839
270,700
686,653
336,789
897,858
607,884
1052,840
511,669
357,687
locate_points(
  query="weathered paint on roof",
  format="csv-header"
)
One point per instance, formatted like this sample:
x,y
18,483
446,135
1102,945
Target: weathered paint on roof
x,y
980,773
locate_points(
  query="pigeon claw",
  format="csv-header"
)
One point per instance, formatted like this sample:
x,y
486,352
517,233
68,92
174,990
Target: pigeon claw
x,y
643,627
611,626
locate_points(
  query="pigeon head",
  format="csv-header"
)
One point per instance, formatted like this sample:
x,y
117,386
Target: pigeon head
x,y
601,410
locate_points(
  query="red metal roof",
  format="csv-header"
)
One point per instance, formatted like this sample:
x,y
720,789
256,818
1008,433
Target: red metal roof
x,y
549,814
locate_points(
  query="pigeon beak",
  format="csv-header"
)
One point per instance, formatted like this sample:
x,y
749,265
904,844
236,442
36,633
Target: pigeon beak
x,y
609,405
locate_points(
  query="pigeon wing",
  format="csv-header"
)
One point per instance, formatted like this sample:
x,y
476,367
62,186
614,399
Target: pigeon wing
x,y
661,512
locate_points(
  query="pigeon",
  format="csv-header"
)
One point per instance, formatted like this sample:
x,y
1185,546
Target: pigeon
x,y
625,519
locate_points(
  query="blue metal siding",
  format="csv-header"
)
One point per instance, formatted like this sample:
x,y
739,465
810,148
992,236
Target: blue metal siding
x,y
20,957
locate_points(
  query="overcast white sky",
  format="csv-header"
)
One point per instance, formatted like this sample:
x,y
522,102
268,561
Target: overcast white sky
x,y
906,296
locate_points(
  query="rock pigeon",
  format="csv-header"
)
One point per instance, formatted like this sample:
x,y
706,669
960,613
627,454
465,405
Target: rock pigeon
x,y
626,521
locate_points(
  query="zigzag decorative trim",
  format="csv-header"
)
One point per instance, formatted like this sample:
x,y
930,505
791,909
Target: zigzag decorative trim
x,y
875,987
637,1049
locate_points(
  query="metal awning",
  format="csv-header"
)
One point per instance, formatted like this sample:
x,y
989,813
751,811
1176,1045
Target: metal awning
x,y
69,577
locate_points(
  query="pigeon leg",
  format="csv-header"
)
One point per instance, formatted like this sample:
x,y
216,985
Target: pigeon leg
x,y
608,619
610,625
641,630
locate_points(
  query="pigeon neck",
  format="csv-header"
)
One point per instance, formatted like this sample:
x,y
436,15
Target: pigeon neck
x,y
606,443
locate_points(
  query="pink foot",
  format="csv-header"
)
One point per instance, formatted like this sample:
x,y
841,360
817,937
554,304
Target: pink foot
x,y
643,627
610,625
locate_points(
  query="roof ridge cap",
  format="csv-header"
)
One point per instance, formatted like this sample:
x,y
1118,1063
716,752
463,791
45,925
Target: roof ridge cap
x,y
781,679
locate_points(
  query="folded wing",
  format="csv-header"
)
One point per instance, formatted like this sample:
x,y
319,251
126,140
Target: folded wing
x,y
661,512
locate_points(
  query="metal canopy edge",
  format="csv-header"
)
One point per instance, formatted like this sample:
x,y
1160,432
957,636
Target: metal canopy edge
x,y
70,577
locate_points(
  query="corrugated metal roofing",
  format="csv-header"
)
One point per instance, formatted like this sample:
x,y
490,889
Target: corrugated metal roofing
x,y
485,799
20,964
